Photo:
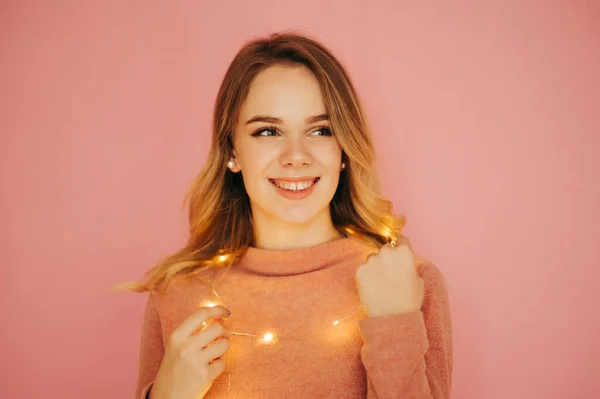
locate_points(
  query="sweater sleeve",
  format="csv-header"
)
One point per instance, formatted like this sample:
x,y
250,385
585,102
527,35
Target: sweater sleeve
x,y
151,350
410,355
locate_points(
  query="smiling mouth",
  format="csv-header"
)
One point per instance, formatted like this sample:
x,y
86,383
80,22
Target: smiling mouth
x,y
294,186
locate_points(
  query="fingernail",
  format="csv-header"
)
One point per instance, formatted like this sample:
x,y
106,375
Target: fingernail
x,y
228,312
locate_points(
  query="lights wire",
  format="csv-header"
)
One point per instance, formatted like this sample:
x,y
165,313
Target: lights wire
x,y
269,336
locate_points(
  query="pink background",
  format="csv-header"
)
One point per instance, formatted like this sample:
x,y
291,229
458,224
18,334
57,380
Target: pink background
x,y
487,122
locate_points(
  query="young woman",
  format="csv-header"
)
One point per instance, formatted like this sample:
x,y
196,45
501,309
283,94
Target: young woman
x,y
296,281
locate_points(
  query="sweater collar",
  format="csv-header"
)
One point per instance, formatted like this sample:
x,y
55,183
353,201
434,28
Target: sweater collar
x,y
299,261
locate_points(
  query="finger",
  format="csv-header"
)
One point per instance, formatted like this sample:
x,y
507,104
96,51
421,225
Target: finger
x,y
209,334
191,324
216,368
370,256
385,248
383,251
403,240
216,350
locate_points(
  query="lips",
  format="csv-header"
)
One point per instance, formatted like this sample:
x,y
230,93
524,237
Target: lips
x,y
296,184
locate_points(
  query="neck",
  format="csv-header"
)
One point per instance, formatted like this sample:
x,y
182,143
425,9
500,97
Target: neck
x,y
279,235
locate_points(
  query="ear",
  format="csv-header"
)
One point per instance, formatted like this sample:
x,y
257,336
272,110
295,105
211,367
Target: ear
x,y
343,162
233,164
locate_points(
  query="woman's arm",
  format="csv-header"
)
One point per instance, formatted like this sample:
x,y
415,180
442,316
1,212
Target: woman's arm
x,y
151,350
410,355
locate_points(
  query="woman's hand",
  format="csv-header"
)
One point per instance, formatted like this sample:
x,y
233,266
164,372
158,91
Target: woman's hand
x,y
388,282
192,357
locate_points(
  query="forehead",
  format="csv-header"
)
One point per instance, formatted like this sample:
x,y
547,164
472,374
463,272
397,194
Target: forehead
x,y
286,92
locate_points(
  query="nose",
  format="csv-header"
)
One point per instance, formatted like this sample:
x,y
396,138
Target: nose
x,y
295,153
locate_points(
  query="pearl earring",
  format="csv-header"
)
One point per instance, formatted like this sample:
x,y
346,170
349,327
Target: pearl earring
x,y
230,164
343,165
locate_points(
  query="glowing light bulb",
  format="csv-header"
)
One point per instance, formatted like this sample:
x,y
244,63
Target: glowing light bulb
x,y
387,233
268,338
222,258
209,304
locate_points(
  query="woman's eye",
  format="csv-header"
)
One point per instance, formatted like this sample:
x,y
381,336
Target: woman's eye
x,y
322,131
265,132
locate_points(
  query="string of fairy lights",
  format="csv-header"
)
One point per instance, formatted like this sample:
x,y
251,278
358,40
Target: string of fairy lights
x,y
268,337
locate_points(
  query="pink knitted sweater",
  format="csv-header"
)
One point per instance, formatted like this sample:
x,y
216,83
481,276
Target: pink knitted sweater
x,y
321,343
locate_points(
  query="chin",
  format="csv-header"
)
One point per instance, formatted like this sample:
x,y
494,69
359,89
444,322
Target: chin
x,y
297,216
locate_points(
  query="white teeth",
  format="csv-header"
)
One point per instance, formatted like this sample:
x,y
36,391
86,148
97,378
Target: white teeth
x,y
297,186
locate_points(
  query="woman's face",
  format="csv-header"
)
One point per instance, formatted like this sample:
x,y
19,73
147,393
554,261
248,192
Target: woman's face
x,y
284,148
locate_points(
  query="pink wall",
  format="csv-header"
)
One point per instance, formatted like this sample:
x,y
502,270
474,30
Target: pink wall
x,y
487,121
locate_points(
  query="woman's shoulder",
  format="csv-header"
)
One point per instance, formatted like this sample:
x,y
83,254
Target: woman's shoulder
x,y
180,292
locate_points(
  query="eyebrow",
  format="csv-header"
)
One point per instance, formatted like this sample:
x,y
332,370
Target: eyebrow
x,y
277,121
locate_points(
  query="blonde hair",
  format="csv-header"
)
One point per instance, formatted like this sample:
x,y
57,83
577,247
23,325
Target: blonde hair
x,y
220,220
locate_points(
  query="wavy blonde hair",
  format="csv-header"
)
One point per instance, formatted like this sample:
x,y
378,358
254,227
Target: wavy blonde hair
x,y
220,219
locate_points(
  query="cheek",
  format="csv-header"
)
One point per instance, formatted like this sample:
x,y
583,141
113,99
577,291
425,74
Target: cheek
x,y
330,158
253,170
254,162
